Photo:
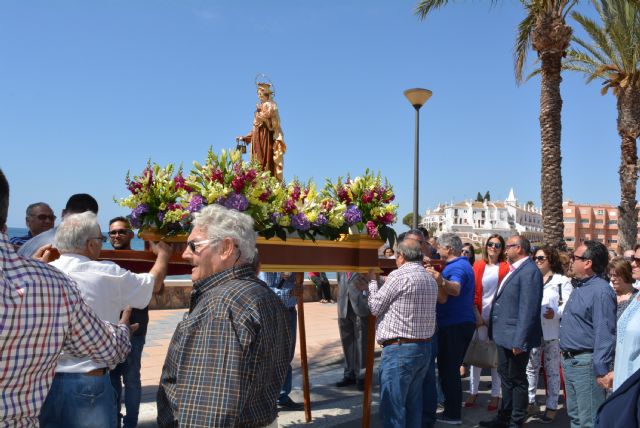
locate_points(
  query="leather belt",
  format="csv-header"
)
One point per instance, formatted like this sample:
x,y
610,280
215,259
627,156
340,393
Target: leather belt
x,y
571,354
96,372
401,340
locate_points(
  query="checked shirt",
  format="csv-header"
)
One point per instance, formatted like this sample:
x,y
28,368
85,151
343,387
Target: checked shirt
x,y
228,358
405,305
42,314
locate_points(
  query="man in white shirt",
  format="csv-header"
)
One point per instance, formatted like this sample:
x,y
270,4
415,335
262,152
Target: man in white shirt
x,y
81,390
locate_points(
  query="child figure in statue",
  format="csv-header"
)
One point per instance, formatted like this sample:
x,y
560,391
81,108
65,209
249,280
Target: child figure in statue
x,y
266,139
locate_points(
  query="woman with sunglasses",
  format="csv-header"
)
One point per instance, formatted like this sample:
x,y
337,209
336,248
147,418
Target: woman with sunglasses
x,y
469,252
489,273
555,294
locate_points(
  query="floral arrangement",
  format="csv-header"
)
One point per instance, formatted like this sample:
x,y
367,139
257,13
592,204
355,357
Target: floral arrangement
x,y
164,201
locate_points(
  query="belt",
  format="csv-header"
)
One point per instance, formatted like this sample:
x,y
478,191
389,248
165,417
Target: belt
x,y
401,340
571,354
96,372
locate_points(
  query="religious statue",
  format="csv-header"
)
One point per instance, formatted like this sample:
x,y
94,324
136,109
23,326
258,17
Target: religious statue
x,y
266,139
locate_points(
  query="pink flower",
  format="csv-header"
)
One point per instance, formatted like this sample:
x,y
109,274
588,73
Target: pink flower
x,y
180,183
367,197
238,184
265,195
289,206
295,194
250,175
216,175
372,229
343,195
388,218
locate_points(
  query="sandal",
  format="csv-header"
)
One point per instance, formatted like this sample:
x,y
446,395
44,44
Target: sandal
x,y
493,404
471,400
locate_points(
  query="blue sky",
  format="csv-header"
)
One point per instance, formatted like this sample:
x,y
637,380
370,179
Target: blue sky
x,y
89,90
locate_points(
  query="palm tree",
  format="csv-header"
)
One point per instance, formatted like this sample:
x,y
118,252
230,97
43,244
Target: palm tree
x,y
613,57
543,29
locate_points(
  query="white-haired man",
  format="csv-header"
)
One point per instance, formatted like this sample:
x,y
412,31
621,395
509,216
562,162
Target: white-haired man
x,y
108,289
228,358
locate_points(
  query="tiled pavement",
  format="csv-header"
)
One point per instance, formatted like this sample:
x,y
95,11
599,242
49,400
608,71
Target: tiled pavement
x,y
331,407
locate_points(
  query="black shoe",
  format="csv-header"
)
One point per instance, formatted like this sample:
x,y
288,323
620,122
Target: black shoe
x,y
345,382
360,384
494,423
288,404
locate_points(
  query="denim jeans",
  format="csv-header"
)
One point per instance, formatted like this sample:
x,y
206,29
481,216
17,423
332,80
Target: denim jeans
x,y
293,323
430,395
76,400
129,372
402,372
453,341
584,395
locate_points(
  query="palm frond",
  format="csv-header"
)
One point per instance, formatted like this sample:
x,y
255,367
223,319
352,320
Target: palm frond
x,y
426,6
523,41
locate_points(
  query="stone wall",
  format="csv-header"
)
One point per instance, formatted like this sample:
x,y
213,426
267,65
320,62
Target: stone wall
x,y
177,293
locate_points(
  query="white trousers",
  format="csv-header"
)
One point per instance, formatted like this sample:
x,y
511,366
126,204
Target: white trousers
x,y
551,350
483,334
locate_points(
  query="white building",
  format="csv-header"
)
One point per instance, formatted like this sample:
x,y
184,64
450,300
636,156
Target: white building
x,y
475,221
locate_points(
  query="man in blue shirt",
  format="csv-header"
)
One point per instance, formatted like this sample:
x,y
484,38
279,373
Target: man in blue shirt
x,y
40,218
456,322
283,283
588,335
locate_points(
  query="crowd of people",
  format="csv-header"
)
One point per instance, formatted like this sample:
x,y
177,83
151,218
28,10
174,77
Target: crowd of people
x,y
71,344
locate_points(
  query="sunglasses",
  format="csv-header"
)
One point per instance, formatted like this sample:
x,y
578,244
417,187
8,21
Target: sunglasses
x,y
193,245
466,252
119,232
574,257
43,217
511,245
539,258
635,259
101,238
495,245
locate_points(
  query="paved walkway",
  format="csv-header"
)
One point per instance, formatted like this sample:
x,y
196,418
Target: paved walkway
x,y
331,406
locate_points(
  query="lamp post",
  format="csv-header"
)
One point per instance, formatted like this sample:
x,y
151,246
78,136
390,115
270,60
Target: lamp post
x,y
417,97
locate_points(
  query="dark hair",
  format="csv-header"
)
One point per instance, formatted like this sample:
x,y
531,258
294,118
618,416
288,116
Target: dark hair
x,y
622,268
552,255
635,247
485,254
472,259
4,199
122,219
81,202
424,231
524,244
598,254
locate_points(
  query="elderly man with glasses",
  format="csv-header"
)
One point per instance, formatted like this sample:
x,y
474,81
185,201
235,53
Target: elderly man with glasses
x,y
228,358
40,218
588,335
108,289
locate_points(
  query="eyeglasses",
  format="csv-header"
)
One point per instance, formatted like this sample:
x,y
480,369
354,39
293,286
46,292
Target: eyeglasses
x,y
193,245
511,245
539,258
495,245
467,252
635,259
574,257
43,217
102,238
119,232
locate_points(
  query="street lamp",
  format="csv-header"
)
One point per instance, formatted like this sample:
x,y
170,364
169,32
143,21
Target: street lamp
x,y
417,97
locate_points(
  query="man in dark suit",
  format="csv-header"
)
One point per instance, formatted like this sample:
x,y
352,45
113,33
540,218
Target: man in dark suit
x,y
353,313
515,327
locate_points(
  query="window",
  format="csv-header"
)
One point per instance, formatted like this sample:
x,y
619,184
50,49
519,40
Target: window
x,y
584,221
610,222
599,212
599,221
613,213
568,211
583,211
612,241
570,239
569,220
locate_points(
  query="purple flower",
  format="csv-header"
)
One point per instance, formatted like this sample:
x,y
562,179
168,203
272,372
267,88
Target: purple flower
x,y
300,222
352,215
237,202
196,203
137,215
161,216
321,220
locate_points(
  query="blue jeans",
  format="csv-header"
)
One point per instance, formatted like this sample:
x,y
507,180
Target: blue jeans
x,y
293,323
402,371
129,372
76,400
584,395
430,396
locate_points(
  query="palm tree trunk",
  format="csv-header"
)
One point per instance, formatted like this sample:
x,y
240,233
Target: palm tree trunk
x,y
551,158
628,129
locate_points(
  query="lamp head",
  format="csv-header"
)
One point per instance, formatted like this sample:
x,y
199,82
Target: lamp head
x,y
417,96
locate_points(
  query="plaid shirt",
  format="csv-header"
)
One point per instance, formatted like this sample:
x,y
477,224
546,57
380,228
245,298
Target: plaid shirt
x,y
42,314
405,305
228,358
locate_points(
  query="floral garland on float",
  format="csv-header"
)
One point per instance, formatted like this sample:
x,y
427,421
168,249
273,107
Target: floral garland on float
x,y
162,200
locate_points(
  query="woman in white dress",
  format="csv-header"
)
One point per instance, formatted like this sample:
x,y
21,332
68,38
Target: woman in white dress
x,y
489,272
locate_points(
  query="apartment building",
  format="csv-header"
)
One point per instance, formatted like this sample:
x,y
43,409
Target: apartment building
x,y
583,222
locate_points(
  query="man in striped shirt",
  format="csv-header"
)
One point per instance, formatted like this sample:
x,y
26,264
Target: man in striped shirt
x,y
405,307
42,314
